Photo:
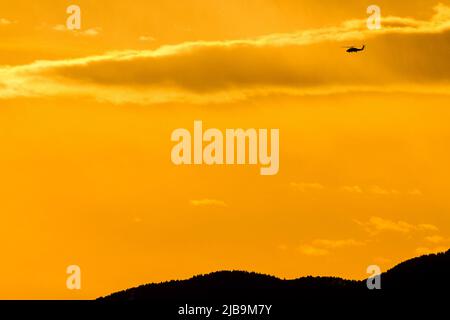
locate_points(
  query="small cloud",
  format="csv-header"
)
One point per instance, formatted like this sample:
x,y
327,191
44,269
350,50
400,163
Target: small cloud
x,y
435,239
137,220
377,190
352,189
312,251
376,225
332,244
321,247
5,22
427,227
60,27
208,203
426,250
415,192
146,38
92,32
303,187
381,191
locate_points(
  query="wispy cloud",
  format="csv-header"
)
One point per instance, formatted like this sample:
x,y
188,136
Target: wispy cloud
x,y
303,62
351,189
376,225
415,192
305,186
382,191
91,32
310,250
208,203
436,239
378,190
5,22
434,243
332,244
146,38
321,247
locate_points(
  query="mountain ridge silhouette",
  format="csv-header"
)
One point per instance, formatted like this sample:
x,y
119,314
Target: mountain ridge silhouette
x,y
427,274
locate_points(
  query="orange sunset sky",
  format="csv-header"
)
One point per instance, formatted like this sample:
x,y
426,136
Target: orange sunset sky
x,y
86,118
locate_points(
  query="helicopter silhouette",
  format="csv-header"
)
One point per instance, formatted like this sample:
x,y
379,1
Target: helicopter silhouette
x,y
354,49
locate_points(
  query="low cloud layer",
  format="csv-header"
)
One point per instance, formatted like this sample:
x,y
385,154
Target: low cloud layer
x,y
405,55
